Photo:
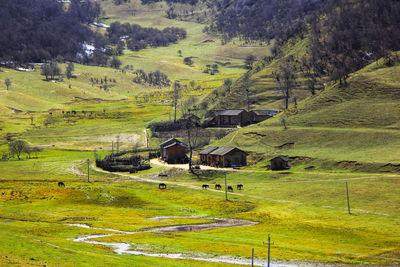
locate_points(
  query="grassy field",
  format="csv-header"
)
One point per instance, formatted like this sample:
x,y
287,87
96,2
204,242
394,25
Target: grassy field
x,y
340,135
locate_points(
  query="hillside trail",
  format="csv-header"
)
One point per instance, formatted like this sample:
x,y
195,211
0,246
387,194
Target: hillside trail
x,y
129,177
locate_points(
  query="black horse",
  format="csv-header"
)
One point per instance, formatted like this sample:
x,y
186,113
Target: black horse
x,y
239,187
218,187
230,189
61,184
204,186
162,186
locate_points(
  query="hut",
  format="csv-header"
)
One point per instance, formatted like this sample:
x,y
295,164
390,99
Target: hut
x,y
189,119
280,163
174,151
205,156
261,115
227,157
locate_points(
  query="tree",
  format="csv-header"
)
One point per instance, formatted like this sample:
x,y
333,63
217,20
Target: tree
x,y
69,69
16,147
7,82
246,89
249,61
175,95
286,79
52,69
180,53
309,72
115,63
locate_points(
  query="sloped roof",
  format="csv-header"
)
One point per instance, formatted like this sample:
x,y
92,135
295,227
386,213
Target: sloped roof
x,y
222,151
231,112
263,112
284,158
208,150
171,142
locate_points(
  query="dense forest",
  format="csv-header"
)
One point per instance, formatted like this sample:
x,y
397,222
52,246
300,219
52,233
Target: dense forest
x,y
41,30
38,30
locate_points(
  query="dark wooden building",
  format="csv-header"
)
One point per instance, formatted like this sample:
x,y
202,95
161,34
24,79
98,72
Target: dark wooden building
x,y
205,156
223,157
174,151
236,117
227,118
189,119
280,163
261,115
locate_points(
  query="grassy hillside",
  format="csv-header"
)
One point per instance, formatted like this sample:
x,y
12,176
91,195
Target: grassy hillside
x,y
264,91
359,122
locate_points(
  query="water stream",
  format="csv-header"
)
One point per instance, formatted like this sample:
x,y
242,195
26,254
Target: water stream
x,y
124,248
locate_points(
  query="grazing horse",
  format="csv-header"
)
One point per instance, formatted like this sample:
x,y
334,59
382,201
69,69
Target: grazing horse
x,y
162,186
230,189
239,187
204,186
218,187
61,184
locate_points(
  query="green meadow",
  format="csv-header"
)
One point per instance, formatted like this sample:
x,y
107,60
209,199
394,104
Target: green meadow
x,y
340,135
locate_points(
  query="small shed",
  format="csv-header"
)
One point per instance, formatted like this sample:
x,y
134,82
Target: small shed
x,y
205,156
260,115
228,157
174,151
189,119
228,117
280,163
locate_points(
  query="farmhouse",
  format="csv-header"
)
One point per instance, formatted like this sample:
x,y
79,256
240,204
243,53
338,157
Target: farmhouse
x,y
279,163
223,157
226,118
174,151
236,117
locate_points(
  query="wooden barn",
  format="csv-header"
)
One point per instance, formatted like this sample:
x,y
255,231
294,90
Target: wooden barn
x,y
227,118
174,151
223,157
205,156
280,163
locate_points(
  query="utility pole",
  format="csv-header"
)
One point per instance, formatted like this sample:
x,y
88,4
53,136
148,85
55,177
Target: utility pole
x,y
88,168
252,257
118,144
226,190
269,250
348,199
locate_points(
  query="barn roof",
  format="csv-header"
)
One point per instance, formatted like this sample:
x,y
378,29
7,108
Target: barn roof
x,y
208,150
222,151
264,112
284,158
231,112
172,142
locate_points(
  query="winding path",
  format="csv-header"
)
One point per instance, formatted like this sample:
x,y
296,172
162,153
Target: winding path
x,y
124,248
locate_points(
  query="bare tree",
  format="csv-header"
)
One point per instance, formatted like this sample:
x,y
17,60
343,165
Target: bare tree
x,y
175,96
286,79
309,72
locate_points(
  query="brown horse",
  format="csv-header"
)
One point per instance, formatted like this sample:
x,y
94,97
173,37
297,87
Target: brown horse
x,y
218,187
61,184
204,186
239,187
162,186
230,189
